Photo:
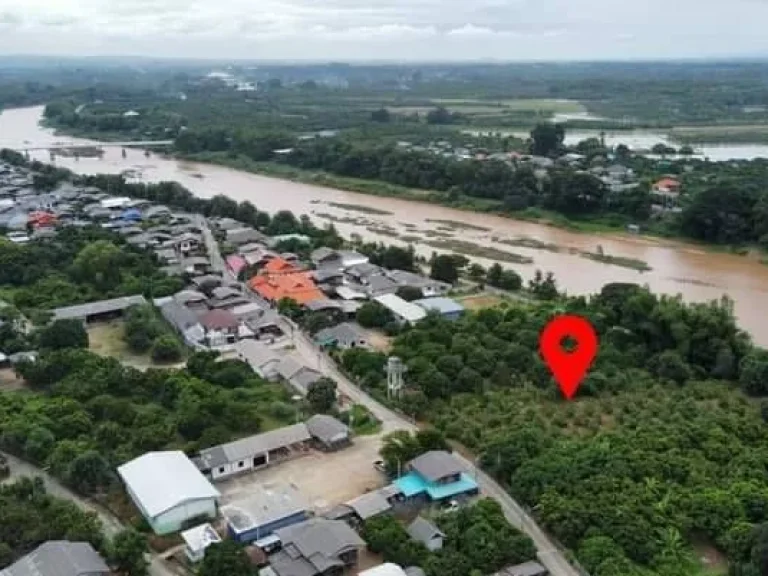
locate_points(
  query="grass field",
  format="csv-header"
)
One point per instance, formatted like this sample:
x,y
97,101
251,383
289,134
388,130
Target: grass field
x,y
519,105
479,301
106,339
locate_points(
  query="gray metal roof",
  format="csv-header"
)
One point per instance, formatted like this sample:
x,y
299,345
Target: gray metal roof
x,y
179,315
423,530
59,558
324,253
318,542
100,307
303,379
531,568
289,367
436,464
256,354
327,429
345,333
322,304
254,445
266,503
370,504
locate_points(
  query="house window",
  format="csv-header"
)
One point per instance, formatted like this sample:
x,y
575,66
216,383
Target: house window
x,y
221,470
240,464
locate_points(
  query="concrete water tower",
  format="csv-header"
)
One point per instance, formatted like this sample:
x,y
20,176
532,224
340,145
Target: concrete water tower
x,y
395,371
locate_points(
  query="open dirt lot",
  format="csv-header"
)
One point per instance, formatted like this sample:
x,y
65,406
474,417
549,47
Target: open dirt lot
x,y
9,380
325,480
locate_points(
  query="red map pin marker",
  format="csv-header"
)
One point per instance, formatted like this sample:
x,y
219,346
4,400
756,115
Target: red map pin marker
x,y
568,367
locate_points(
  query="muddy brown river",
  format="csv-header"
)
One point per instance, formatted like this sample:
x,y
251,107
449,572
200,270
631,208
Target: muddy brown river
x,y
676,267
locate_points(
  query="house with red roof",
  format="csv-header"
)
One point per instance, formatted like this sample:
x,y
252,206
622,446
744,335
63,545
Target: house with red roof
x,y
669,187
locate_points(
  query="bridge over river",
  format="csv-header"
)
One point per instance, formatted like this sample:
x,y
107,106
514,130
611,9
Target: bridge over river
x,y
81,146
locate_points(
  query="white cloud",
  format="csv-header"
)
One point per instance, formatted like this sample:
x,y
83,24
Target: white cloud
x,y
409,29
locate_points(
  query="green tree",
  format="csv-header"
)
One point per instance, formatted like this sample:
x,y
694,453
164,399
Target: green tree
x,y
321,395
446,267
547,138
754,373
373,315
226,558
127,553
69,333
166,348
409,293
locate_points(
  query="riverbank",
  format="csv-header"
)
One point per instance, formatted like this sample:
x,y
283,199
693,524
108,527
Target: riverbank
x,y
603,225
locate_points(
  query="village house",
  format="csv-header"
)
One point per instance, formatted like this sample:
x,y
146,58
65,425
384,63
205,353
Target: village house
x,y
316,547
342,336
435,476
221,327
59,558
422,530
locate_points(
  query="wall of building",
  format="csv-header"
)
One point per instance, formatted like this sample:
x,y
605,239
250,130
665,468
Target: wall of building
x,y
259,532
172,520
238,467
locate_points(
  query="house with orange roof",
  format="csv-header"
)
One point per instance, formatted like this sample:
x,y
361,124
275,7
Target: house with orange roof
x,y
278,266
296,285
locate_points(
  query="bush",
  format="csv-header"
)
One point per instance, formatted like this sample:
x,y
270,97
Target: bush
x,y
166,349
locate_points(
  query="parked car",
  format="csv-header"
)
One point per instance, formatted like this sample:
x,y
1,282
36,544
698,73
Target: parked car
x,y
451,506
17,237
379,465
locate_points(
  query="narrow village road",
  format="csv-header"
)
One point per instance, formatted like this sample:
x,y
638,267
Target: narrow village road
x,y
549,555
111,524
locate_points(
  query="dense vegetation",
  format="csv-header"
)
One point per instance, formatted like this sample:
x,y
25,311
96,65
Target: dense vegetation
x,y
29,517
78,265
478,540
660,450
90,414
331,96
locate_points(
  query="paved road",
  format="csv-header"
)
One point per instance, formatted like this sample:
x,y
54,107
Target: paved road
x,y
112,525
549,555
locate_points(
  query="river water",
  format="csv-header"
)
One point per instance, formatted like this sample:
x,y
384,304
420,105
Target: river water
x,y
677,267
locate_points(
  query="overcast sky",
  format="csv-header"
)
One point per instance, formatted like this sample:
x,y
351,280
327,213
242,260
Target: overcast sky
x,y
387,29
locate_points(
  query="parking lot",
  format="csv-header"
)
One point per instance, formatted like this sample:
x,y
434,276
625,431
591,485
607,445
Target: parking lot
x,y
324,479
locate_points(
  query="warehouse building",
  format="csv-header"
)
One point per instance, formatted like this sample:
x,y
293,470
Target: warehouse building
x,y
253,452
101,310
168,490
269,507
404,312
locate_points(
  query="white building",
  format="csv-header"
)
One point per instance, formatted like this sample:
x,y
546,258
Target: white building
x,y
402,310
387,569
197,539
168,490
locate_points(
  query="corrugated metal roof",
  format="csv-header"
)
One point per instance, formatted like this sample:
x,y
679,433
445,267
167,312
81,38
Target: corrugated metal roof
x,y
100,307
405,310
254,445
162,480
59,558
440,303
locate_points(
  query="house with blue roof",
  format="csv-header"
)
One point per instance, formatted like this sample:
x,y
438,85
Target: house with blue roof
x,y
436,476
446,307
